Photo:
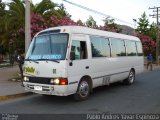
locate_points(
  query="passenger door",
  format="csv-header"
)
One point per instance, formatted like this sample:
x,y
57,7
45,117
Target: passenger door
x,y
78,65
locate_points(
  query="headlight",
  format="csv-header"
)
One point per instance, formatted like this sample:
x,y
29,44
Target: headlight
x,y
59,81
56,81
26,79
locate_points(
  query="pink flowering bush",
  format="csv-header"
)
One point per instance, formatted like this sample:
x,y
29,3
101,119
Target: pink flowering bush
x,y
38,23
148,43
66,21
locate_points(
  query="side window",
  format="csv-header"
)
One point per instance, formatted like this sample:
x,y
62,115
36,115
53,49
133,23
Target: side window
x,y
100,47
139,49
78,50
118,47
131,48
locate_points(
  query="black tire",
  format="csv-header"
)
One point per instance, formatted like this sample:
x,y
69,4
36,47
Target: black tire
x,y
131,78
83,91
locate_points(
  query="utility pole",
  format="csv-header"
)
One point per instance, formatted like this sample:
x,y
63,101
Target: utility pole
x,y
27,25
156,14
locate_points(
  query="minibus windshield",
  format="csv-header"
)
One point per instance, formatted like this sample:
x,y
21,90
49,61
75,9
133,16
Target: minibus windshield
x,y
48,47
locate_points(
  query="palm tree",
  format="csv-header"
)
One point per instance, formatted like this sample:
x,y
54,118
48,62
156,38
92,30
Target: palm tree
x,y
13,19
17,13
4,25
47,8
10,21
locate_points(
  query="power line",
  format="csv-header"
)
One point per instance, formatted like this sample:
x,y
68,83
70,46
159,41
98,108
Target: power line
x,y
84,12
97,12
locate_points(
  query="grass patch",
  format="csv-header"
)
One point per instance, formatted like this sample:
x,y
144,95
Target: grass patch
x,y
16,79
6,65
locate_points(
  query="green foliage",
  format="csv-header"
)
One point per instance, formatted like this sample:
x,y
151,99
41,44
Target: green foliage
x,y
143,24
153,31
47,8
61,12
5,28
2,9
79,22
91,22
12,21
147,33
43,7
111,25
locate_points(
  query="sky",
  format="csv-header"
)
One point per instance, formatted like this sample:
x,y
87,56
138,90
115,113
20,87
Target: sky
x,y
123,10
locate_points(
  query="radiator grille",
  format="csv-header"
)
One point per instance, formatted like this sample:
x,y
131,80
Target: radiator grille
x,y
39,80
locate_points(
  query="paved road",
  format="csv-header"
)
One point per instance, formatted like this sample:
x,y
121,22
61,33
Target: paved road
x,y
141,97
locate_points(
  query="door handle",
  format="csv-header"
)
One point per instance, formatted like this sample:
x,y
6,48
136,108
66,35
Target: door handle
x,y
87,67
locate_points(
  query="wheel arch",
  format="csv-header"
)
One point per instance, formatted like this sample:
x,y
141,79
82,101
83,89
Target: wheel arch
x,y
133,70
89,79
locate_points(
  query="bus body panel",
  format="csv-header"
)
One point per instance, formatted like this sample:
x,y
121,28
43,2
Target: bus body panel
x,y
101,70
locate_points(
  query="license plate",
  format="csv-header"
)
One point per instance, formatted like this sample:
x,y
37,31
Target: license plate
x,y
38,88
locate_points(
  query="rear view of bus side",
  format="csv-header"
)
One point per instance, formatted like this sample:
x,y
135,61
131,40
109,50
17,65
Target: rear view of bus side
x,y
89,58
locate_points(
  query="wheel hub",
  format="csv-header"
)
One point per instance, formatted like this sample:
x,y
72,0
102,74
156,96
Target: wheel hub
x,y
84,89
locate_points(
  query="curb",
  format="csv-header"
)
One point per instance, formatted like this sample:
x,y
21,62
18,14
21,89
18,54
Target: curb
x,y
154,69
7,97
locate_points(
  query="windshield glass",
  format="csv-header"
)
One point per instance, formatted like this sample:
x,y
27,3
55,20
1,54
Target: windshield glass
x,y
50,46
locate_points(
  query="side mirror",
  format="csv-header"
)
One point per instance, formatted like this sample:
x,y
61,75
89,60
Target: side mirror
x,y
70,63
72,57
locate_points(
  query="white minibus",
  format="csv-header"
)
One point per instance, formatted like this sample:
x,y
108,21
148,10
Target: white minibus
x,y
74,59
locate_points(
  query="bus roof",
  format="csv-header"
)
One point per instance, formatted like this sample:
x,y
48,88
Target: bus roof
x,y
89,31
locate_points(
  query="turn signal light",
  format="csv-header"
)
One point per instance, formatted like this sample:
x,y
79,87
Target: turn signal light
x,y
63,81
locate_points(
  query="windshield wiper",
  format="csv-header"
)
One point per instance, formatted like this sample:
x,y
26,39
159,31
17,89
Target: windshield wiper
x,y
32,60
50,60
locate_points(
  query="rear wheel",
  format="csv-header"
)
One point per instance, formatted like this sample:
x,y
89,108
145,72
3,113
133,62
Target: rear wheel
x,y
131,78
83,91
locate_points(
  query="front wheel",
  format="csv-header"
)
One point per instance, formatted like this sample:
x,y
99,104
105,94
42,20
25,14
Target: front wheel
x,y
131,78
83,90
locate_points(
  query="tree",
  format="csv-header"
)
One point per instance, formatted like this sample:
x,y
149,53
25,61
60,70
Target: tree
x,y
110,25
153,31
5,27
80,23
47,8
61,12
91,22
143,24
12,21
17,16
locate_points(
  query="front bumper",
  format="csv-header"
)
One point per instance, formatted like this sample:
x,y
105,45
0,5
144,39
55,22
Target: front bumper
x,y
59,90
